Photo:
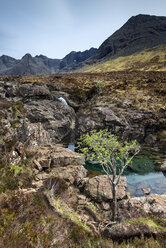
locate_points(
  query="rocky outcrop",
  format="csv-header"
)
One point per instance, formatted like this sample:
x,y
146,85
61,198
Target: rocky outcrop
x,y
45,119
152,204
56,118
122,119
127,231
98,188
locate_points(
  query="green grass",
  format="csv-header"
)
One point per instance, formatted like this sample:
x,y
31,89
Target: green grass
x,y
65,211
147,221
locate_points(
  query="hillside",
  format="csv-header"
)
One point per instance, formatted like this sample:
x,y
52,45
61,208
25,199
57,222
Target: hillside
x,y
153,59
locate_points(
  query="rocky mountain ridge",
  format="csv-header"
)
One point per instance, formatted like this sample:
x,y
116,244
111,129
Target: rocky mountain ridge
x,y
137,34
41,64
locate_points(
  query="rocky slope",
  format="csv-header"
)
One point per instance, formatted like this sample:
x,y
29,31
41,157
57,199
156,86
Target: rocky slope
x,y
138,33
39,65
46,195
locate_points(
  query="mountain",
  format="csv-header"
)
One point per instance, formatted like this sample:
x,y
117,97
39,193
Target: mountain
x,y
7,62
127,48
70,61
39,65
138,33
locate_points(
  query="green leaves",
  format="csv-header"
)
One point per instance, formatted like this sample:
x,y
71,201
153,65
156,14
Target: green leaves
x,y
104,148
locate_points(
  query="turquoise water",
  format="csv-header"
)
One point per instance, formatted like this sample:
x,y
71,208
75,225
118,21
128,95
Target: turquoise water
x,y
141,174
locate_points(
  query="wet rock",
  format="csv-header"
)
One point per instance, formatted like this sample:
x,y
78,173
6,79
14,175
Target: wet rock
x,y
146,191
131,189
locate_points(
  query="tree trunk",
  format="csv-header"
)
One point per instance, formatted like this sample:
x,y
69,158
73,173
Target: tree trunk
x,y
114,203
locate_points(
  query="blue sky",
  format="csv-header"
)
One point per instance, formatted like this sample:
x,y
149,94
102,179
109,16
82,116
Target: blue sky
x,y
56,27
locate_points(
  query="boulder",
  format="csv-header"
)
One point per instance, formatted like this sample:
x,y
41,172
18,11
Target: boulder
x,y
54,156
163,166
33,91
72,173
98,188
152,204
56,161
125,231
56,118
33,134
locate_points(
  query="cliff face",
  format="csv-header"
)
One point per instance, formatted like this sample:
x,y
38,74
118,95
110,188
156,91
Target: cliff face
x,y
138,33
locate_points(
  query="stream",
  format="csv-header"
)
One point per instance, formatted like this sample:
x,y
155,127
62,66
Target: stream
x,y
142,173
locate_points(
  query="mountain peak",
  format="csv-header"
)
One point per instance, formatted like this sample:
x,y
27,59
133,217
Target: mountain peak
x,y
138,33
27,56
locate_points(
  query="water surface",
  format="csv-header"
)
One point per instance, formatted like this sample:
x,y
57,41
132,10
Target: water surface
x,y
142,173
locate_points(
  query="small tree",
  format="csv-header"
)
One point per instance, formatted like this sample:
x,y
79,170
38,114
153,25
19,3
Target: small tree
x,y
104,148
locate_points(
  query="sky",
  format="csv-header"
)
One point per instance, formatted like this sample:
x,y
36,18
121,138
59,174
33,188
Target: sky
x,y
54,28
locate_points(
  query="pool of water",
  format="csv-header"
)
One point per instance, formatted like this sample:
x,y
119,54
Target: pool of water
x,y
142,173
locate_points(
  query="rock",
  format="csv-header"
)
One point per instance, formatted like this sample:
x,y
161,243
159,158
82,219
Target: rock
x,y
53,156
99,189
151,204
157,204
150,139
33,91
163,166
56,118
56,161
72,173
33,134
103,113
105,206
124,231
42,176
146,191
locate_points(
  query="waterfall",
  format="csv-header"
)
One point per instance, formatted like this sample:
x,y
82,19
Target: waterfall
x,y
61,99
